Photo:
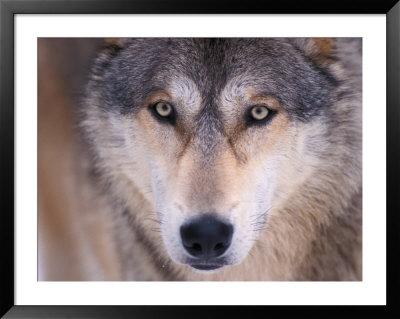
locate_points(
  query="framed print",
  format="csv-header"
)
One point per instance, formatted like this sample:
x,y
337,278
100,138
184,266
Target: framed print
x,y
232,149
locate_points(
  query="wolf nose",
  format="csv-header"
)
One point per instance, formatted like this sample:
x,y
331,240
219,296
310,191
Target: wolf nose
x,y
206,237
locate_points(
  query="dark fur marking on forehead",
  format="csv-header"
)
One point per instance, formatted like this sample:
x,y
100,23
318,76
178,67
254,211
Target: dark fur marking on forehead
x,y
209,130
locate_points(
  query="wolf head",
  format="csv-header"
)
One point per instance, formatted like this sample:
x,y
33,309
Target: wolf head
x,y
214,134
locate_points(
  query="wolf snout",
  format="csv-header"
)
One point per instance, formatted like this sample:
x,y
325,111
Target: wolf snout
x,y
206,237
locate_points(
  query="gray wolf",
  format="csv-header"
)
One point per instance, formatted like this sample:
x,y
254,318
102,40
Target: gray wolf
x,y
223,159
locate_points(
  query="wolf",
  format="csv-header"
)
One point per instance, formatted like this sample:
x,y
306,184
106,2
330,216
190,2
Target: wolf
x,y
225,158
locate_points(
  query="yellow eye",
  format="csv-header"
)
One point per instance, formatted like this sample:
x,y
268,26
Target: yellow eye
x,y
259,112
163,109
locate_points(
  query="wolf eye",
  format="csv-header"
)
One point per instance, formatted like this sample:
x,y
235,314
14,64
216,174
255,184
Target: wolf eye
x,y
259,112
259,115
163,109
163,112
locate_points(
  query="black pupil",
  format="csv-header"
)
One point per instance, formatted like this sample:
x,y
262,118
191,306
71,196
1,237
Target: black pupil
x,y
259,110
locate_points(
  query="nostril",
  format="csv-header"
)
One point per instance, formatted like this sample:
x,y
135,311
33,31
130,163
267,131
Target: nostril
x,y
219,246
196,247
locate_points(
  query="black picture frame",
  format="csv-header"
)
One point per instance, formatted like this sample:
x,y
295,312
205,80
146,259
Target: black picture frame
x,y
8,10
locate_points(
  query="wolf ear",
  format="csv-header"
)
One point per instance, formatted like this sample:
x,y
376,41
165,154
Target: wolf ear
x,y
325,46
320,50
116,42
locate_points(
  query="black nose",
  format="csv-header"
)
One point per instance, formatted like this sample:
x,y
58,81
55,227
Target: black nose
x,y
206,237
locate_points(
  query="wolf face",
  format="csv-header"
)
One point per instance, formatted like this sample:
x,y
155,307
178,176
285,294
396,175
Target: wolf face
x,y
214,134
